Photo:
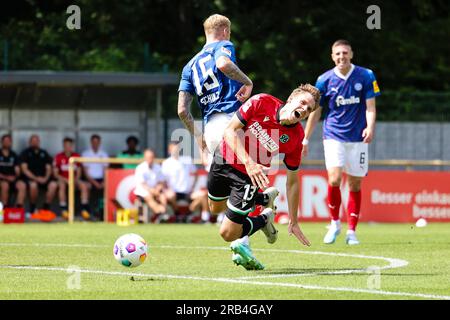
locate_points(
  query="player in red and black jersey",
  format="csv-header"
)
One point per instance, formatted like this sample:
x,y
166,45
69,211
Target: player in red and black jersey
x,y
262,128
61,173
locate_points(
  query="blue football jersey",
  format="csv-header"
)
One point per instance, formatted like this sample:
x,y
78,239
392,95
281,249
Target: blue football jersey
x,y
200,77
344,101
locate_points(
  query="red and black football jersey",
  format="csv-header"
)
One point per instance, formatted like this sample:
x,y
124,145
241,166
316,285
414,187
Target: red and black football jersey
x,y
263,136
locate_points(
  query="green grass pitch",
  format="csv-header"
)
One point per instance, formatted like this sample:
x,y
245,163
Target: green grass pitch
x,y
192,262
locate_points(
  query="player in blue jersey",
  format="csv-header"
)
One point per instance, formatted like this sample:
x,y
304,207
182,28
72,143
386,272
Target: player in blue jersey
x,y
214,78
348,96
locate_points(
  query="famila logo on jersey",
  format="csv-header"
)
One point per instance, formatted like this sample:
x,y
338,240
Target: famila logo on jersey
x,y
263,137
341,101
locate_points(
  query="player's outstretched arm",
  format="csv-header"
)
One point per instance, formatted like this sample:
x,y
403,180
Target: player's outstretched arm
x,y
292,191
313,118
232,71
254,170
184,113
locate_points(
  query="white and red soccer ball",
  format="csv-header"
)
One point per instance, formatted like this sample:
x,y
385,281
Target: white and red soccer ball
x,y
130,250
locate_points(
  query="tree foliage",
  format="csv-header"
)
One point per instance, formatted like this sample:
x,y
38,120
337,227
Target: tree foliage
x,y
279,43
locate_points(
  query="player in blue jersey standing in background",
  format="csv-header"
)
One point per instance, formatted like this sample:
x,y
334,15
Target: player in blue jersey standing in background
x,y
213,76
348,93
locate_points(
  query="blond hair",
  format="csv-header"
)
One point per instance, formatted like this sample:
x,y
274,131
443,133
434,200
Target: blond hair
x,y
215,23
306,88
341,42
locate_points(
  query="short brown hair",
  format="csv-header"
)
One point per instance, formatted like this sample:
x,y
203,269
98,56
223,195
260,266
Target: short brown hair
x,y
216,22
96,136
341,42
68,139
306,88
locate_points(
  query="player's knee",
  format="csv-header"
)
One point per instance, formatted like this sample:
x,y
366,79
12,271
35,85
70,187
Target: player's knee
x,y
354,185
334,177
20,185
5,186
227,235
334,180
84,187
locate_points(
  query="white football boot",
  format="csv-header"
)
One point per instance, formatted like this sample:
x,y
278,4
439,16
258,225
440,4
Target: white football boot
x,y
333,231
351,239
269,229
272,193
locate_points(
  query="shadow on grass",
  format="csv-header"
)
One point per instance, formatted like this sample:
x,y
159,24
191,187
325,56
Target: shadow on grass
x,y
305,270
334,272
28,265
147,279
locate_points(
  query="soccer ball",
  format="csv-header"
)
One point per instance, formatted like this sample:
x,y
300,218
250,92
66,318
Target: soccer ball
x,y
130,250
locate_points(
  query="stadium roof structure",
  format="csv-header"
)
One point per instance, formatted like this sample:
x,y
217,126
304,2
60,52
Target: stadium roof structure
x,y
80,78
77,91
83,89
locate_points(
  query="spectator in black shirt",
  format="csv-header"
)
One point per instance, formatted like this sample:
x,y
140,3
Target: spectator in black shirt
x,y
9,174
36,165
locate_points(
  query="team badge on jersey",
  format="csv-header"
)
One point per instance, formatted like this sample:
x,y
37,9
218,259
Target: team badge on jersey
x,y
376,89
284,138
358,86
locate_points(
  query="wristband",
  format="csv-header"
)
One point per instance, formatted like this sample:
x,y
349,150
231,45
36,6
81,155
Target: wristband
x,y
305,142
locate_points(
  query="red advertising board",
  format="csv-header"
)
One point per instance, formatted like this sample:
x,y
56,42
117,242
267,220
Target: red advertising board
x,y
14,215
119,186
388,196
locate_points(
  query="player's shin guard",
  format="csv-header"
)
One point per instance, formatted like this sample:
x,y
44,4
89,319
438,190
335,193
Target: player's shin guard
x,y
353,208
252,224
334,201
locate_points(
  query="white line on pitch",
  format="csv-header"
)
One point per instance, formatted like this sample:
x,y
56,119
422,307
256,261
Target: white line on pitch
x,y
62,245
393,263
238,281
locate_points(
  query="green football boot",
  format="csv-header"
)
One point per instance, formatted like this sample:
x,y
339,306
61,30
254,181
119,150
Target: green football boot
x,y
243,256
239,261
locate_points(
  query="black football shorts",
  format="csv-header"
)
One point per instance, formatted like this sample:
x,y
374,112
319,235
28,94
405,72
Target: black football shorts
x,y
228,183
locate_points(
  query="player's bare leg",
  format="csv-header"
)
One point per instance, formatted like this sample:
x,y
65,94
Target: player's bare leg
x,y
154,205
334,203
34,191
51,192
21,193
84,190
230,230
217,206
353,208
4,185
62,188
200,200
171,197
